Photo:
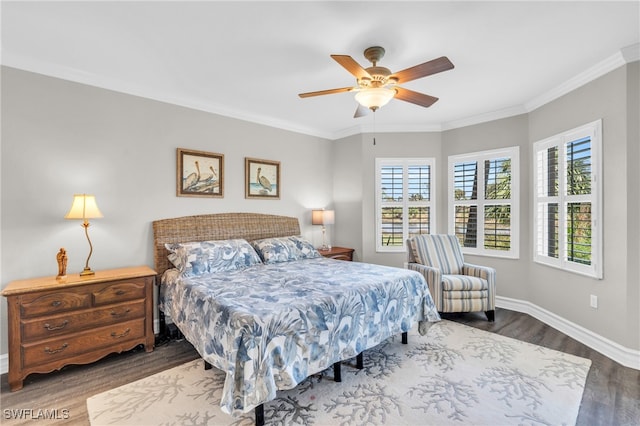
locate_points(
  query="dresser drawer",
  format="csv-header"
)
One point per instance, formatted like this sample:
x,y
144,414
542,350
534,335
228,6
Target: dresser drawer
x,y
119,291
338,253
346,257
78,319
71,322
79,343
52,303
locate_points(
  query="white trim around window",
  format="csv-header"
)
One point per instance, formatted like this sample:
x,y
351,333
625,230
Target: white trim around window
x,y
405,200
567,200
484,213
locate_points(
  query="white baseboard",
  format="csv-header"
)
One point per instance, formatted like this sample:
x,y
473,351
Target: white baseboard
x,y
4,363
618,353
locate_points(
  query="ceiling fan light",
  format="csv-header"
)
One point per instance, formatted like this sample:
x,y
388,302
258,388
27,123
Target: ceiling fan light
x,y
375,98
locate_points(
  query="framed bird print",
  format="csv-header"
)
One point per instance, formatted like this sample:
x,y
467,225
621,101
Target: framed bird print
x,y
199,174
262,179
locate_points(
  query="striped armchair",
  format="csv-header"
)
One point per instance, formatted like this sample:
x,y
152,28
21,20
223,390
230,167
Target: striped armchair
x,y
455,286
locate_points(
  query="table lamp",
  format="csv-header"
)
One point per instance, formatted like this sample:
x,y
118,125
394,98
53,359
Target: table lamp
x,y
84,207
323,217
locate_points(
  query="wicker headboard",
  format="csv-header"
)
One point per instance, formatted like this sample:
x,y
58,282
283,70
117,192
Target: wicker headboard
x,y
220,226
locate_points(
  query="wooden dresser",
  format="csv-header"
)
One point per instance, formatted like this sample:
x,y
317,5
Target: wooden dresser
x,y
340,253
77,320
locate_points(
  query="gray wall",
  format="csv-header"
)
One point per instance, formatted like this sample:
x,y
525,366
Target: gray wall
x,y
633,209
503,133
614,98
348,184
355,163
567,294
59,138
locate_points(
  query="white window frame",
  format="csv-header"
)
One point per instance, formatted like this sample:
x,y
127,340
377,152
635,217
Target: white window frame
x,y
479,158
405,203
592,130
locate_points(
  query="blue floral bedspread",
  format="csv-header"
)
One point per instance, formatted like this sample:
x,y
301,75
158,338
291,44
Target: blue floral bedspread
x,y
270,326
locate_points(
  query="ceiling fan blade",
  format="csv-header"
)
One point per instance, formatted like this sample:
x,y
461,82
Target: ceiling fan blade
x,y
325,92
414,97
428,68
361,111
351,65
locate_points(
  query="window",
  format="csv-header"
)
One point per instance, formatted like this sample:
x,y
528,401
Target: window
x,y
567,200
405,200
484,201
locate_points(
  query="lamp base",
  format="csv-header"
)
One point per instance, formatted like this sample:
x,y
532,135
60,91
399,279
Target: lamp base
x,y
87,271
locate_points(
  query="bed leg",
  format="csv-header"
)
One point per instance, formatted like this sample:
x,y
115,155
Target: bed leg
x,y
259,410
207,366
163,324
337,373
360,361
405,338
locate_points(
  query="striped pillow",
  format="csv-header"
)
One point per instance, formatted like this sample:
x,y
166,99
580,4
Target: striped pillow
x,y
438,251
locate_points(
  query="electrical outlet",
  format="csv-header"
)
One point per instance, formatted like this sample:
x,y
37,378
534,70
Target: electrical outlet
x,y
594,301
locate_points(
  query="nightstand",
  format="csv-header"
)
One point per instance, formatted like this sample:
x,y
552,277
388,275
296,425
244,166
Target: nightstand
x,y
340,253
77,320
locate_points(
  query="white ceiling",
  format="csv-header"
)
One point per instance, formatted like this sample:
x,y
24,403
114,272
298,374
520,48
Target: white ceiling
x,y
250,59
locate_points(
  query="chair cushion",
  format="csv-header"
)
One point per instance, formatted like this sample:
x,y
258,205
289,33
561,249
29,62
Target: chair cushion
x,y
438,251
463,283
480,294
465,305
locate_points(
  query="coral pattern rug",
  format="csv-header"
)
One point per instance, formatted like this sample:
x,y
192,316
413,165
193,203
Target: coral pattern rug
x,y
454,375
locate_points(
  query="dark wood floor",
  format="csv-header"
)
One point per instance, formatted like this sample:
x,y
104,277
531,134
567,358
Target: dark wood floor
x,y
611,397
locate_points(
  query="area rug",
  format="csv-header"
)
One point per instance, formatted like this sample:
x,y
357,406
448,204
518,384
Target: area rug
x,y
453,375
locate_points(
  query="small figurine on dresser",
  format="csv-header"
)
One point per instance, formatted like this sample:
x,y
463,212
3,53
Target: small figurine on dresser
x,y
61,257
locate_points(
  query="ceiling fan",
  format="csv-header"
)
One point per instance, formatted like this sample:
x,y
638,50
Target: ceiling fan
x,y
376,85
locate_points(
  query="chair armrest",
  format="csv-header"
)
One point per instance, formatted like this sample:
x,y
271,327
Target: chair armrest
x,y
433,276
479,271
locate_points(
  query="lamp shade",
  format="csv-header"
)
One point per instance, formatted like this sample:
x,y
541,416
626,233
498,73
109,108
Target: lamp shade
x,y
375,97
322,217
84,207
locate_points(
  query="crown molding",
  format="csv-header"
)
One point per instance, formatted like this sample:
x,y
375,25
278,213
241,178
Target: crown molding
x,y
77,76
625,55
631,53
484,118
598,70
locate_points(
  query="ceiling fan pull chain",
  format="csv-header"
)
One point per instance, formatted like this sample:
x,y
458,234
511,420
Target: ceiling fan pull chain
x,y
374,128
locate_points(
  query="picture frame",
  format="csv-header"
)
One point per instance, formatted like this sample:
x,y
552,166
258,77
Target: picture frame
x,y
262,179
199,174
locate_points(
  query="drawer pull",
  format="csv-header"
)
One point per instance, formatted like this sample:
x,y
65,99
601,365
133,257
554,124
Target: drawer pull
x,y
56,303
119,336
120,292
56,327
120,314
55,351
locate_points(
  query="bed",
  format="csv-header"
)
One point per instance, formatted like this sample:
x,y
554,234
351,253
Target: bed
x,y
272,316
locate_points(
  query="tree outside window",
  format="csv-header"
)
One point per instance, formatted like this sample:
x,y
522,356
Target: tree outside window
x,y
405,203
482,201
568,200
